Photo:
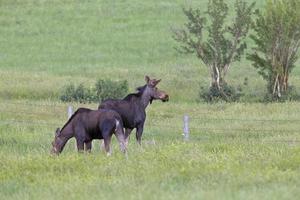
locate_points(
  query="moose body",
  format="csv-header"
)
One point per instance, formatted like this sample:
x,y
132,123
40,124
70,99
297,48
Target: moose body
x,y
86,125
132,108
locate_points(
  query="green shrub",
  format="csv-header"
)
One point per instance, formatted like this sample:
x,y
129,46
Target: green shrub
x,y
79,94
226,93
68,93
106,89
291,94
103,89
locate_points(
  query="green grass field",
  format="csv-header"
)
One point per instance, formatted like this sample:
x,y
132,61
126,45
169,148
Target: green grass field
x,y
235,151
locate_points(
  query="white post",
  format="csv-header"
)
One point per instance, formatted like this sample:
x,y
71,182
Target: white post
x,y
186,132
70,111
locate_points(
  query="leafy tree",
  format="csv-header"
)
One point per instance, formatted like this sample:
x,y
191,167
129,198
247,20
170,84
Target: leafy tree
x,y
277,42
214,42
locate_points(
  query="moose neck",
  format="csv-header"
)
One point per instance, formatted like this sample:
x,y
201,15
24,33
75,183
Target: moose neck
x,y
65,134
61,143
145,99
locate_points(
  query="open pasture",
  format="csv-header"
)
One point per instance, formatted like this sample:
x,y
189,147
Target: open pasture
x,y
235,151
240,153
53,43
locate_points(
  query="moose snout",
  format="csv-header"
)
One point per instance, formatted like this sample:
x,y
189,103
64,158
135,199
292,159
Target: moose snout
x,y
165,98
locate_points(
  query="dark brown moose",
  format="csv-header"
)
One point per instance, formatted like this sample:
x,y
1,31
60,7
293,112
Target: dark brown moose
x,y
132,107
86,125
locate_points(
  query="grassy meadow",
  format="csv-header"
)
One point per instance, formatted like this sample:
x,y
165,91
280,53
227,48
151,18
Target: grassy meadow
x,y
235,151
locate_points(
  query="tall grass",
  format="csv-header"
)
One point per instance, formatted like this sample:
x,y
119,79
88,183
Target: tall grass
x,y
236,151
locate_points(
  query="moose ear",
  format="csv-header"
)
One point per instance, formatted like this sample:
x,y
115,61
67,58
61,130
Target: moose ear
x,y
157,81
147,79
57,131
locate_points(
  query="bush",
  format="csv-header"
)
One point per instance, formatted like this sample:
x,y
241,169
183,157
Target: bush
x,y
102,90
68,93
290,94
106,89
227,93
79,94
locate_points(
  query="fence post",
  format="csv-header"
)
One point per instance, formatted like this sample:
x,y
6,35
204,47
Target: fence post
x,y
186,132
70,111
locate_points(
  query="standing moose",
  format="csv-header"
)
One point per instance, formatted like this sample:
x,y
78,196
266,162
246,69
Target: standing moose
x,y
132,108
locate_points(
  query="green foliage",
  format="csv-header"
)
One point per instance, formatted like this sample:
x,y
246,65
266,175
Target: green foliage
x,y
102,90
106,89
79,94
227,93
224,43
68,93
277,39
291,94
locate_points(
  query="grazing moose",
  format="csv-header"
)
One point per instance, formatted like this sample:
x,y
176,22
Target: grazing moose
x,y
86,125
132,107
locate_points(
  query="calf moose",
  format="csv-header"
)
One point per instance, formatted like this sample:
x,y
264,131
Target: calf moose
x,y
86,125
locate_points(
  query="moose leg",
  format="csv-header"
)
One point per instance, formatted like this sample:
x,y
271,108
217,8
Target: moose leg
x,y
107,141
121,140
102,147
139,132
88,146
80,136
80,145
127,136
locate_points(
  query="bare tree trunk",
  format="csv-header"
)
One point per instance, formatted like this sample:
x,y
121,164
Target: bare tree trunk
x,y
211,71
226,68
215,77
277,86
280,84
285,82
